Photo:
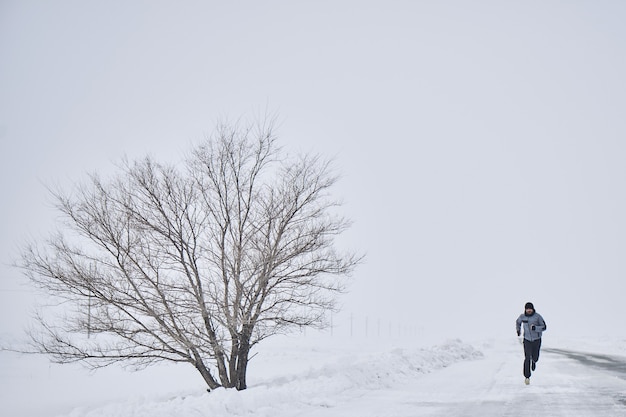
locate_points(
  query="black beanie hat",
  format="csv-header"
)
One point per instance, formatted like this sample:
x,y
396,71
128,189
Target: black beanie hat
x,y
529,305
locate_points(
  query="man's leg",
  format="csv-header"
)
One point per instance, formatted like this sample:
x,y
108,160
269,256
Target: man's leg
x,y
536,349
527,357
536,346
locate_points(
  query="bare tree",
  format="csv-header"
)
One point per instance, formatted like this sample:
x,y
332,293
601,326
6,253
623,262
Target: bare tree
x,y
195,264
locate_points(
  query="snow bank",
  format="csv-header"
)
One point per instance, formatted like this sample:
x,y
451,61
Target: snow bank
x,y
349,375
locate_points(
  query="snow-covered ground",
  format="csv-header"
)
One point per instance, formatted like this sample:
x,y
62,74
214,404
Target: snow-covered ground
x,y
307,376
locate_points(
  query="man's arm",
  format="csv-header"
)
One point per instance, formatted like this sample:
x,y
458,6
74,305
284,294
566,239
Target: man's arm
x,y
518,325
541,326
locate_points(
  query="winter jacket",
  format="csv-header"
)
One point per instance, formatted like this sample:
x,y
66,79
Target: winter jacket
x,y
535,320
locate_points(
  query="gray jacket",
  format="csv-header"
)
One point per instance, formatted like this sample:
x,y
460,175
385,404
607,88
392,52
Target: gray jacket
x,y
529,321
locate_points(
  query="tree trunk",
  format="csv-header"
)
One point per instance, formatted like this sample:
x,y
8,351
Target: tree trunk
x,y
242,359
208,378
219,354
242,366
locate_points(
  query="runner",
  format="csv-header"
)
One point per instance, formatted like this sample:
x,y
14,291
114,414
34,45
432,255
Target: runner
x,y
534,325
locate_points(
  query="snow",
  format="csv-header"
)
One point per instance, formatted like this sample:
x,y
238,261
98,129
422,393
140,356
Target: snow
x,y
324,376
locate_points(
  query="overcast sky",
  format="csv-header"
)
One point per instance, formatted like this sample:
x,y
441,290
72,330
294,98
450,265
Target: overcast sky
x,y
482,144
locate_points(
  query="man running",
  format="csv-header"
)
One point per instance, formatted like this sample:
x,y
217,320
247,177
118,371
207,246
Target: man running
x,y
534,325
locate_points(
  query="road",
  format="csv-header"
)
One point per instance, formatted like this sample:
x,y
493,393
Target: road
x,y
611,364
565,383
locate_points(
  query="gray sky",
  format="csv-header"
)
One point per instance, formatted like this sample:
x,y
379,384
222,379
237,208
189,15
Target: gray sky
x,y
482,143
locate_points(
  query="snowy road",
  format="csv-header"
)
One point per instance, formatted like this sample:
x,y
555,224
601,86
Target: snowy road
x,y
565,384
328,380
611,364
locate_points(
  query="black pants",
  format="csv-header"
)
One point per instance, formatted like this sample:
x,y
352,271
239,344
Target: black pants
x,y
531,353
